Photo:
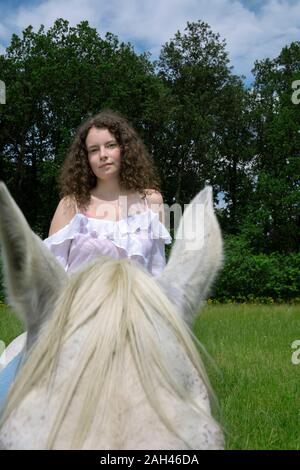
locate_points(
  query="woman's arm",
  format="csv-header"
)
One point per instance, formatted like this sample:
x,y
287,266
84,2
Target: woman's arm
x,y
64,213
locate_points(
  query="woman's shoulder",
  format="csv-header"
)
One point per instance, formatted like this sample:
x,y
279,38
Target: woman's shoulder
x,y
154,196
68,202
156,203
64,213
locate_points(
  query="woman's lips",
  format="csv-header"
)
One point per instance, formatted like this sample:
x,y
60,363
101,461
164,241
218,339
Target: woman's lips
x,y
106,164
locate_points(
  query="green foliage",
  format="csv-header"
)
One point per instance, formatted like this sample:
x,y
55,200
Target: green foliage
x,y
194,66
249,277
198,120
54,80
272,218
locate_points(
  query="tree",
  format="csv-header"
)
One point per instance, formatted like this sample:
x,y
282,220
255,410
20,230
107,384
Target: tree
x,y
273,219
195,68
54,80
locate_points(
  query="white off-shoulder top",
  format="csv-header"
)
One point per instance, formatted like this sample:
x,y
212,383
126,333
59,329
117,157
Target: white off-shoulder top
x,y
140,236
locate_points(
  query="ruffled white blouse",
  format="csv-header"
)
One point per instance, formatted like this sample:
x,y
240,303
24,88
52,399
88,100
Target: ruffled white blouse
x,y
141,237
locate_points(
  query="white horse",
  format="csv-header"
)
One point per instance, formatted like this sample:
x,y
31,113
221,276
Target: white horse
x,y
110,359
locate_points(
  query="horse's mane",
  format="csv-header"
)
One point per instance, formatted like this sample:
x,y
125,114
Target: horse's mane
x,y
125,303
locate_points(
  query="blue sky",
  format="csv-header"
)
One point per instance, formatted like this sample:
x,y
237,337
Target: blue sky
x,y
253,29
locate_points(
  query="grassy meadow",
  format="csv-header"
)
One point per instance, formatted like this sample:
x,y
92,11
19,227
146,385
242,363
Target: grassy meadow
x,y
256,383
10,326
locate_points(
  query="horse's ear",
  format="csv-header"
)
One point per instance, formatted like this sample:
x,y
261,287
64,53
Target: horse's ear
x,y
195,257
32,276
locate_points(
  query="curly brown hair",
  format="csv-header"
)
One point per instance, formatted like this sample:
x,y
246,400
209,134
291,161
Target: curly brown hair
x,y
137,172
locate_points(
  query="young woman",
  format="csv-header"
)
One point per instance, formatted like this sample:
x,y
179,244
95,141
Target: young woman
x,y
110,200
110,205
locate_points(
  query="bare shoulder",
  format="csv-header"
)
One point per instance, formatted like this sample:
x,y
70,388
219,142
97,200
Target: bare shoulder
x,y
156,203
64,213
154,196
67,206
68,203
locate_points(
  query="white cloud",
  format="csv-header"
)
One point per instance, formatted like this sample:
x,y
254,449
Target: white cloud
x,y
250,34
4,31
48,11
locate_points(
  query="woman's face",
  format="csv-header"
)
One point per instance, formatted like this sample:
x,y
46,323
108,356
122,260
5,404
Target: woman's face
x,y
104,153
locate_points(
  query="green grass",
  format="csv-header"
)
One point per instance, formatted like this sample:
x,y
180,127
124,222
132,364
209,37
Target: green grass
x,y
10,326
257,384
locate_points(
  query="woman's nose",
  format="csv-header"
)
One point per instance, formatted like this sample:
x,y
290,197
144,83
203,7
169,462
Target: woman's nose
x,y
102,153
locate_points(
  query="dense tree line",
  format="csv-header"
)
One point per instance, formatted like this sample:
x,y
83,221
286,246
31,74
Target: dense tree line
x,y
199,121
